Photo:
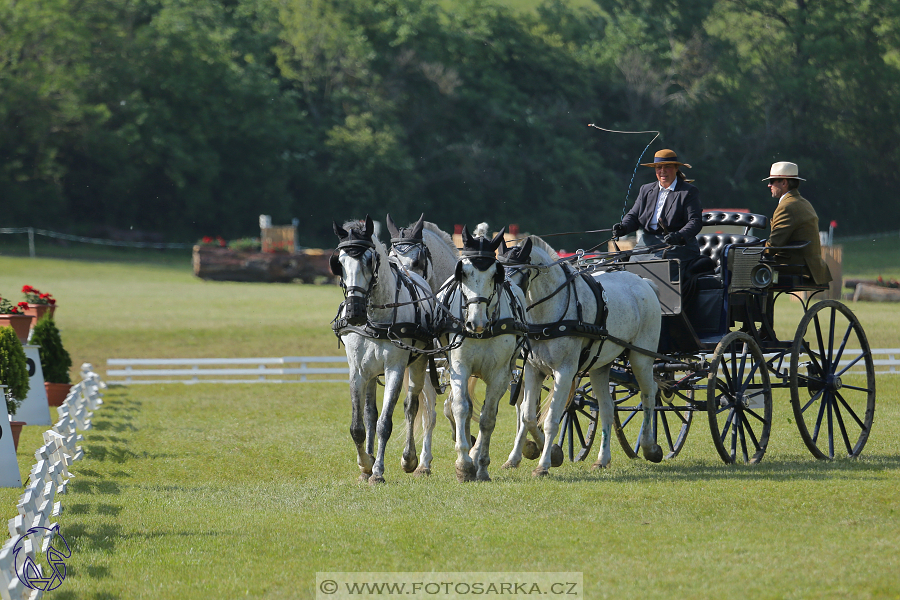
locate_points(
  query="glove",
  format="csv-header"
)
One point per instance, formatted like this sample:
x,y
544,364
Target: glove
x,y
618,230
675,239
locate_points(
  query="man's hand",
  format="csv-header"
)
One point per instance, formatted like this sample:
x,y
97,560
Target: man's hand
x,y
675,239
618,230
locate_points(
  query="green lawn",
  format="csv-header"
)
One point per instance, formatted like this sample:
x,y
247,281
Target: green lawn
x,y
221,491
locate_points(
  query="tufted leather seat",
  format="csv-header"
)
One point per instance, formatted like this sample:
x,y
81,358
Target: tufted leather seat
x,y
740,219
712,244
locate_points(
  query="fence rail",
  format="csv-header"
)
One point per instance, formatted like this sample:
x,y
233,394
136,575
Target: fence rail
x,y
135,371
227,370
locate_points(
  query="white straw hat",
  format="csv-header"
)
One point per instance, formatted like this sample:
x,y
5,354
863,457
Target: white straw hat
x,y
784,170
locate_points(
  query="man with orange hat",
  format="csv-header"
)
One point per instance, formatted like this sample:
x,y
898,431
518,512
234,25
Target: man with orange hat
x,y
795,220
667,211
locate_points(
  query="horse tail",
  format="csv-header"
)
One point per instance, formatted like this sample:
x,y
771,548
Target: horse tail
x,y
652,285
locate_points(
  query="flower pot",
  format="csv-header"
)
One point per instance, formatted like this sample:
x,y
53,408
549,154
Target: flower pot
x,y
16,428
37,311
57,392
21,324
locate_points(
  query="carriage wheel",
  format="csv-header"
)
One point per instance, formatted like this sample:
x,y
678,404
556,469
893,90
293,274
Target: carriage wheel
x,y
831,402
672,418
579,423
739,399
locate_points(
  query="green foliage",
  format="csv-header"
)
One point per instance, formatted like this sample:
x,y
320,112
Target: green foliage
x,y
13,369
55,360
203,115
247,244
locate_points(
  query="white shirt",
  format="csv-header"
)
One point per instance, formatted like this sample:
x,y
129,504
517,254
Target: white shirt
x,y
660,203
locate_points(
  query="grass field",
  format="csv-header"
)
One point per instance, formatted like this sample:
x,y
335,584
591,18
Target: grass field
x,y
210,491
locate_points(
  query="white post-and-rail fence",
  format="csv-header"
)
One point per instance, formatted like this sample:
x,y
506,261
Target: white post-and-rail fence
x,y
290,369
309,369
48,479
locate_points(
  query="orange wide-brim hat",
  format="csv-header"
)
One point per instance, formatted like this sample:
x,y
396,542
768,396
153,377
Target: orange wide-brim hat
x,y
665,157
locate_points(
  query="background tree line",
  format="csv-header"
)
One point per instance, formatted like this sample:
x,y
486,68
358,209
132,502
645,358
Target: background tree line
x,y
191,119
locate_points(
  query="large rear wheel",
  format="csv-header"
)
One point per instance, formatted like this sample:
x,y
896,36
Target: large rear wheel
x,y
739,399
832,381
671,418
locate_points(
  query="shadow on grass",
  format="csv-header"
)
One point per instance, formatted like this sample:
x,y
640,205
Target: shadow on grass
x,y
871,466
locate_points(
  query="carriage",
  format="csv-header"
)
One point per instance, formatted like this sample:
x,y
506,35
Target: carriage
x,y
719,354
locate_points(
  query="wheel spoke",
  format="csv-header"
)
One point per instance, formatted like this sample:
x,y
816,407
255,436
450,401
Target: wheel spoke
x,y
830,431
743,441
821,343
752,435
815,397
831,335
580,432
749,411
665,423
840,420
727,426
630,417
850,410
840,353
815,436
849,366
735,425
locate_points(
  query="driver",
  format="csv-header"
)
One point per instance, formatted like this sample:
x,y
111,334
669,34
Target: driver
x,y
667,211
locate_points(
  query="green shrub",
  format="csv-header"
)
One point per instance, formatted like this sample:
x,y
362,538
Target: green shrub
x,y
245,245
13,369
55,360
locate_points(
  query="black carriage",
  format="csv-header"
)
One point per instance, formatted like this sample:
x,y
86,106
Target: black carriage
x,y
719,354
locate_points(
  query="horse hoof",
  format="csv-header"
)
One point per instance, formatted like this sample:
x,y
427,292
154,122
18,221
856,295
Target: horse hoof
x,y
530,450
599,465
364,477
465,474
409,465
510,465
540,472
421,472
654,455
376,479
483,476
556,456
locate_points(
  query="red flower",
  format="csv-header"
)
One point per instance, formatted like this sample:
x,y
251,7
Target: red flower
x,y
27,289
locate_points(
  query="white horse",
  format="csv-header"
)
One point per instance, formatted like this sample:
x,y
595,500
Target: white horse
x,y
554,294
483,330
424,249
382,317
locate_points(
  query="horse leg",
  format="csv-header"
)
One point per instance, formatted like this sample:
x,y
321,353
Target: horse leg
x,y
393,381
371,416
416,379
462,412
600,385
480,452
429,416
358,426
526,411
643,371
562,385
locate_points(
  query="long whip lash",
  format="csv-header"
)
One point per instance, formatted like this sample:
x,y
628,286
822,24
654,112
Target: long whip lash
x,y
636,165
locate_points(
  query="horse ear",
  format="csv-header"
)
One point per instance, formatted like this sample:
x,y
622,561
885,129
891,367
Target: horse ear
x,y
392,229
466,237
498,238
370,227
335,264
503,249
525,252
417,228
457,274
339,231
499,274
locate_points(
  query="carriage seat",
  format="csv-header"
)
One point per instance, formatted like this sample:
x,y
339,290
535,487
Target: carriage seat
x,y
712,244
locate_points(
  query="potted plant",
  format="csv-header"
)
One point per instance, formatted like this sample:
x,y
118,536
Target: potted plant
x,y
55,360
13,315
38,302
14,375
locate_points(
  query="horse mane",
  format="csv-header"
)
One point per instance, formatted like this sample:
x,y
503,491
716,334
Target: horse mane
x,y
443,235
542,245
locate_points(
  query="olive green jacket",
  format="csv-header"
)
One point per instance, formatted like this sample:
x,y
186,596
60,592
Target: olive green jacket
x,y
795,220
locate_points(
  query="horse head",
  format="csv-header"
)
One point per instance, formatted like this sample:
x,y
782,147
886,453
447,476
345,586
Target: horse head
x,y
408,245
514,259
356,262
479,274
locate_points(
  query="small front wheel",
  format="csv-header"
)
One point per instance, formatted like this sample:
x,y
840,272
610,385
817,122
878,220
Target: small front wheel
x,y
739,399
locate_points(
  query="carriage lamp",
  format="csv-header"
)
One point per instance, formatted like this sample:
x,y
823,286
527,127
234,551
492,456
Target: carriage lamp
x,y
761,277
